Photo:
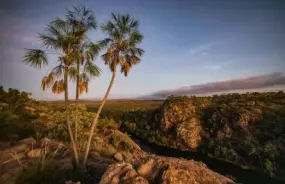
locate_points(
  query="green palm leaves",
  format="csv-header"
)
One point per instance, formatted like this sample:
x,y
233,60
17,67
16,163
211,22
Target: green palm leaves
x,y
123,37
68,39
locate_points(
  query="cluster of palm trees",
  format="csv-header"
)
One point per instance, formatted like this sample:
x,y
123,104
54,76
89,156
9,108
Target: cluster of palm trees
x,y
68,38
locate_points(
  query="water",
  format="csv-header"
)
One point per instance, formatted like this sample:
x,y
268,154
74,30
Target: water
x,y
227,169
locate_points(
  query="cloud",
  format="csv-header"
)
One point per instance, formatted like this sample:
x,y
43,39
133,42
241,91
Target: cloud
x,y
201,49
217,66
250,83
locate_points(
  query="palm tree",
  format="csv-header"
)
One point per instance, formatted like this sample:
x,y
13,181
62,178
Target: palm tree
x,y
59,37
83,20
123,37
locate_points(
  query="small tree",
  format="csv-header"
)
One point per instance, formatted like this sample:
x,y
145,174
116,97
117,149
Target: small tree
x,y
123,37
83,20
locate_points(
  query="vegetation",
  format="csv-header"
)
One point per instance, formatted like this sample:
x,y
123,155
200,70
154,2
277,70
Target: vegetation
x,y
247,129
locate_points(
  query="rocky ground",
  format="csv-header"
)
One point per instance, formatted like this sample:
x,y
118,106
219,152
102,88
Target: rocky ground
x,y
114,159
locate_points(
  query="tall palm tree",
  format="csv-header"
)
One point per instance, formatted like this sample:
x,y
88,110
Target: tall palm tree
x,y
123,37
58,37
83,20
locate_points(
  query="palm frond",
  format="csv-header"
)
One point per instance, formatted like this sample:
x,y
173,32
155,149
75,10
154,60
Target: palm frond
x,y
125,68
104,43
92,69
58,70
123,38
50,41
72,72
58,87
35,58
47,81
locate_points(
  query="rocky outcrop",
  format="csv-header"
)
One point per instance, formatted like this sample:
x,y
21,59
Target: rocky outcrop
x,y
122,173
189,133
24,152
128,165
172,114
140,167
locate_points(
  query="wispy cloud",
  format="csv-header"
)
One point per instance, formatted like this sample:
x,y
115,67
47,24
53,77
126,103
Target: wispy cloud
x,y
201,49
217,66
248,83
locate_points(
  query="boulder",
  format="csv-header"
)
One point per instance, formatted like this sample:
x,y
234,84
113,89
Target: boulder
x,y
118,156
147,169
35,153
52,143
122,173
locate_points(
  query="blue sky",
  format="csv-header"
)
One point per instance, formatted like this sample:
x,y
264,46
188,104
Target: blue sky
x,y
186,42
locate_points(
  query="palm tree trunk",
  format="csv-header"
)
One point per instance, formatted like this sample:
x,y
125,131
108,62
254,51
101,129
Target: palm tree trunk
x,y
91,133
76,101
66,115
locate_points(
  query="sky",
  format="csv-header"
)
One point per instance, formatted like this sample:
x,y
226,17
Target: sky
x,y
186,43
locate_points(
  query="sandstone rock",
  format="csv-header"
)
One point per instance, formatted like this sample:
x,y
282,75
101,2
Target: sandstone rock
x,y
129,175
138,180
94,154
175,112
118,156
35,153
189,133
121,173
52,143
115,180
199,175
147,169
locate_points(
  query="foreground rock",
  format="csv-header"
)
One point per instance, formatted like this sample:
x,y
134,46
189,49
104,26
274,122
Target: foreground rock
x,y
140,167
122,173
115,159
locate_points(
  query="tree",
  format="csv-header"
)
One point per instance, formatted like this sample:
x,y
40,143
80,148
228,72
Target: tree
x,y
123,37
59,38
83,20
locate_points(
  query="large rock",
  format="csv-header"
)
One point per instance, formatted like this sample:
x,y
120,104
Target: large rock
x,y
118,156
147,169
122,173
35,153
46,142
